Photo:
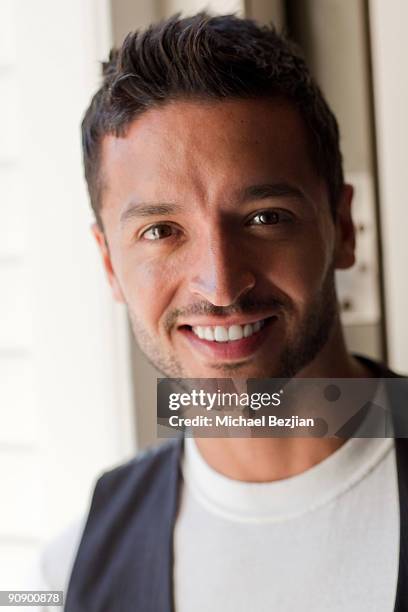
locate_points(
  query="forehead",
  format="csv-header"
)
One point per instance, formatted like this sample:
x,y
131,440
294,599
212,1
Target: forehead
x,y
199,149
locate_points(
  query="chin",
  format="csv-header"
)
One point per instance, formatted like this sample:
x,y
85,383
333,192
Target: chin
x,y
243,369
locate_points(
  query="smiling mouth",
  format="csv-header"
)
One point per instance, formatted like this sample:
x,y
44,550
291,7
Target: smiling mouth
x,y
231,333
230,342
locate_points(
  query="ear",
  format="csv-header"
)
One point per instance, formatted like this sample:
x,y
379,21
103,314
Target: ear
x,y
344,250
107,262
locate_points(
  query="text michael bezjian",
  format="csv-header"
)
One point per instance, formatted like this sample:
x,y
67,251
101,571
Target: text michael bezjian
x,y
291,422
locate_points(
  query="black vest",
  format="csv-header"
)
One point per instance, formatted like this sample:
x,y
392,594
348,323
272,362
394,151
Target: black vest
x,y
125,559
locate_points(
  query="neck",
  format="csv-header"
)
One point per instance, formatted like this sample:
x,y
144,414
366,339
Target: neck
x,y
268,459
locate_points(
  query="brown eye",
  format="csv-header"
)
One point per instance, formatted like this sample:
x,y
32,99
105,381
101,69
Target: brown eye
x,y
266,217
158,232
270,217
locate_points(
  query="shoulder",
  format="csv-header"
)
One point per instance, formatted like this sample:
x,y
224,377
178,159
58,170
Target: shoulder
x,y
130,488
139,469
378,368
55,562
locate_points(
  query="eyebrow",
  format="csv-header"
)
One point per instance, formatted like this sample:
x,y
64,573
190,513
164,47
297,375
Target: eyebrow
x,y
254,192
271,190
148,209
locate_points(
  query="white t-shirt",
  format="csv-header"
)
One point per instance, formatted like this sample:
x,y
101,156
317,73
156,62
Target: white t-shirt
x,y
325,540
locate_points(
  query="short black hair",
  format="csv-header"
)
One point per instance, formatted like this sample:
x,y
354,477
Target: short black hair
x,y
207,57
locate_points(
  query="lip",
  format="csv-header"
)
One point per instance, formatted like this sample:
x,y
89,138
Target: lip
x,y
230,351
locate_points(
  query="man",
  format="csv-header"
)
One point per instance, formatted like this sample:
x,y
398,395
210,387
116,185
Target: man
x,y
215,174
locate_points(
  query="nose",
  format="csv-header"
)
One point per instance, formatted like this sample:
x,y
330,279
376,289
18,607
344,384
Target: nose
x,y
221,273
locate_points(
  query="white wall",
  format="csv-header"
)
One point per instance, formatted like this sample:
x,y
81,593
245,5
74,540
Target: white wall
x,y
189,7
390,52
65,396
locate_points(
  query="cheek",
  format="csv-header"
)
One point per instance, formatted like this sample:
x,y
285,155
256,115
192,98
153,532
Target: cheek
x,y
148,288
297,269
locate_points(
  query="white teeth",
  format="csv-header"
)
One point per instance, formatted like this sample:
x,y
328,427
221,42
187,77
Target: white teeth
x,y
235,332
219,333
248,330
208,333
200,331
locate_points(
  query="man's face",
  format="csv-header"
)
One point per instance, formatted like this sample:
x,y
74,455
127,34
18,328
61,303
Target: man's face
x,y
220,238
